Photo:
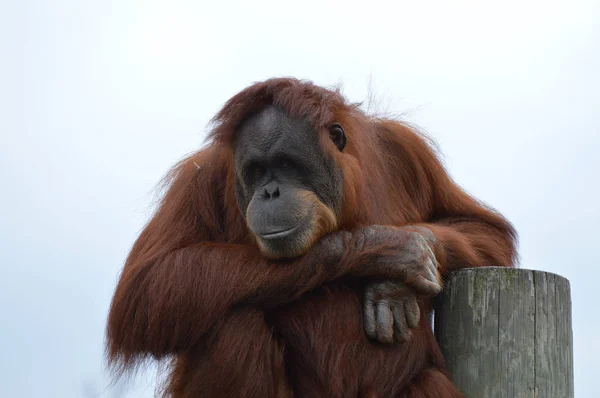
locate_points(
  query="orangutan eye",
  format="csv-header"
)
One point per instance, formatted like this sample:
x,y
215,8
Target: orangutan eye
x,y
255,171
338,136
259,171
286,164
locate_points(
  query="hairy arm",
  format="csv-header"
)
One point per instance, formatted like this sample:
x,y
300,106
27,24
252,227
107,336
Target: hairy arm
x,y
461,231
168,304
458,229
463,242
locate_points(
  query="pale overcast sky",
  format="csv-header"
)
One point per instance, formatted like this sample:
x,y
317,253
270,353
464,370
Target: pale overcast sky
x,y
99,98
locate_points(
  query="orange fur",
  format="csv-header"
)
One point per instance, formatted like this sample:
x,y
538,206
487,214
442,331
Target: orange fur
x,y
194,289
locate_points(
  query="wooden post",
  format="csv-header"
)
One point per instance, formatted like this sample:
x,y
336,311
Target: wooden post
x,y
506,332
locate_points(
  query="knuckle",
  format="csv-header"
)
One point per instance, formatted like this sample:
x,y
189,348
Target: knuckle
x,y
417,238
369,231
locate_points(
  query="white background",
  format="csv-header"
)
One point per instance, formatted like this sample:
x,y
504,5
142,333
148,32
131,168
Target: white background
x,y
99,98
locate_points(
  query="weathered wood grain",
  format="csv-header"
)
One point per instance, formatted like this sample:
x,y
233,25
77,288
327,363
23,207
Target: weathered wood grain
x,y
507,333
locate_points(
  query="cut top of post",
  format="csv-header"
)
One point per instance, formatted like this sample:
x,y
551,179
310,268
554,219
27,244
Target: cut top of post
x,y
506,332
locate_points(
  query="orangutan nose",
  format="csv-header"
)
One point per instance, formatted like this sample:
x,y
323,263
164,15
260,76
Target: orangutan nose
x,y
271,191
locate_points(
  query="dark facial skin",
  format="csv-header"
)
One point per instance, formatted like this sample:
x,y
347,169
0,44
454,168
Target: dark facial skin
x,y
284,179
285,182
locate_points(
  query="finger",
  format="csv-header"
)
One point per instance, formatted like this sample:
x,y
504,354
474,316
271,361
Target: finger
x,y
369,313
412,311
402,333
429,250
431,270
385,327
425,286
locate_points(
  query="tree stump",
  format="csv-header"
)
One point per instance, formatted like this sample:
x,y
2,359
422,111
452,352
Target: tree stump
x,y
506,332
